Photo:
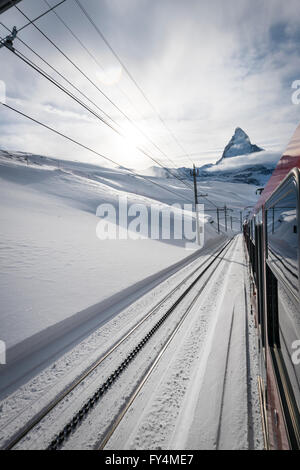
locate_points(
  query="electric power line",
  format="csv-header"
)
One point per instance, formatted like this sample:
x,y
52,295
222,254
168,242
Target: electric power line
x,y
61,75
70,139
96,86
101,67
92,56
53,81
38,69
71,95
84,11
30,22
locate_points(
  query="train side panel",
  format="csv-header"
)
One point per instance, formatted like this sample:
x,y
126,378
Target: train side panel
x,y
272,237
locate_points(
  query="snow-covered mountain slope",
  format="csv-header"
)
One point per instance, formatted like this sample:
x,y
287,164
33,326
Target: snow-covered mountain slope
x,y
239,144
53,266
158,172
241,162
56,275
255,169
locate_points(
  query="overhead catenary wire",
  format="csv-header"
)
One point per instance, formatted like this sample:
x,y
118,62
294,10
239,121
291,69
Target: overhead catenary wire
x,y
62,76
70,61
121,62
87,50
56,71
35,67
30,22
53,81
85,147
60,86
75,37
96,86
208,200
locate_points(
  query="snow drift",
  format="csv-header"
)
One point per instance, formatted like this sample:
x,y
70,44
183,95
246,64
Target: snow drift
x,y
55,272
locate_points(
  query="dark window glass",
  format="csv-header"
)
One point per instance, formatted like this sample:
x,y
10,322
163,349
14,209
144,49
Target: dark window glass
x,y
252,229
259,217
283,260
283,240
289,335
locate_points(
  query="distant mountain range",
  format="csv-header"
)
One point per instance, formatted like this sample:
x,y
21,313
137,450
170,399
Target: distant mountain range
x,y
241,162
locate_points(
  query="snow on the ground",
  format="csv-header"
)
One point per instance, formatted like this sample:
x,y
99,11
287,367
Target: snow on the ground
x,y
52,263
32,396
199,395
57,279
254,169
55,272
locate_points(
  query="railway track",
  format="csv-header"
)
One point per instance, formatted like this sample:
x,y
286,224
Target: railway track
x,y
73,424
197,397
101,445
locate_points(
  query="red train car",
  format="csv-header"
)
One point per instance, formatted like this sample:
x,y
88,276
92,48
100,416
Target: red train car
x,y
272,235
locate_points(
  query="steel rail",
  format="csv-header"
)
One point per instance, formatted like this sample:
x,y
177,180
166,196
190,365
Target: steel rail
x,y
146,376
94,366
86,408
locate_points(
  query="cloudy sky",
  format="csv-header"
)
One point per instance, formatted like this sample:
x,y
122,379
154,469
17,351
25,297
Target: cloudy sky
x,y
206,66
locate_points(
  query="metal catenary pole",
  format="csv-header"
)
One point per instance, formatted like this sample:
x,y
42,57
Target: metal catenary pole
x,y
196,205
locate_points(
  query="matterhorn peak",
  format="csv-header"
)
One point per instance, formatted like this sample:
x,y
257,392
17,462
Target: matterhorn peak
x,y
240,133
239,144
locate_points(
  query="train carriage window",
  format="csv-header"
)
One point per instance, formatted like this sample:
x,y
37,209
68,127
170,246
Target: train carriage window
x,y
283,240
283,297
259,217
252,229
289,334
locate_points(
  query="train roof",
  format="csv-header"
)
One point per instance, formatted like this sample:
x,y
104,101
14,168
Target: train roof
x,y
289,160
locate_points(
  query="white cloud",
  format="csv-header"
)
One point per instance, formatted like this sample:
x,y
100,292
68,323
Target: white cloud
x,y
265,158
207,66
